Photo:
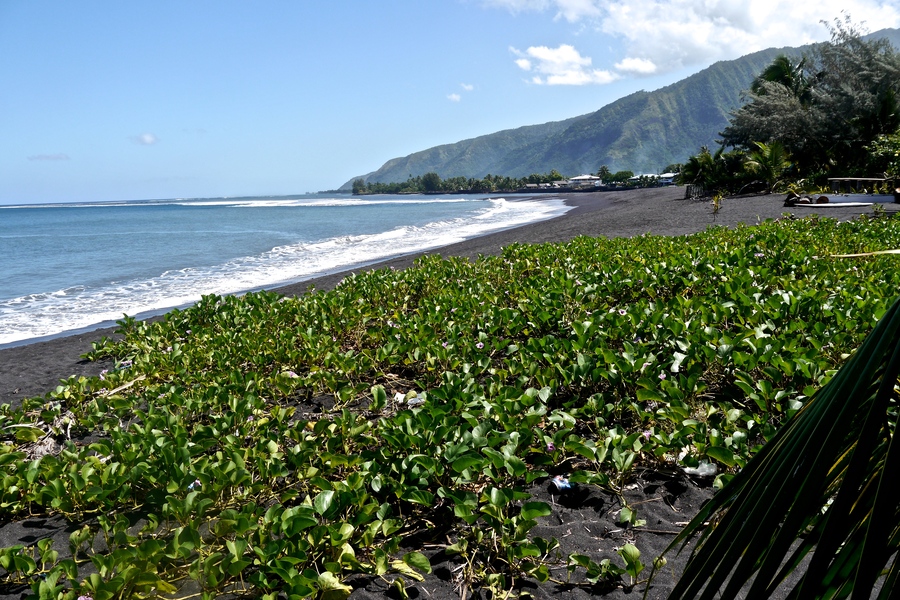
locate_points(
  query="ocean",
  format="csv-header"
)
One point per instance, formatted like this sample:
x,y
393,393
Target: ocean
x,y
66,268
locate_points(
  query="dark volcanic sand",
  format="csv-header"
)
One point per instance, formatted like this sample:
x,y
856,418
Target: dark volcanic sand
x,y
585,520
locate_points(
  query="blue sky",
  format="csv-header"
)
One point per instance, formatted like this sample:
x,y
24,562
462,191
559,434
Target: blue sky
x,y
163,99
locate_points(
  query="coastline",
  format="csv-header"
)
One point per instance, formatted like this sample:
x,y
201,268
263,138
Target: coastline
x,y
34,369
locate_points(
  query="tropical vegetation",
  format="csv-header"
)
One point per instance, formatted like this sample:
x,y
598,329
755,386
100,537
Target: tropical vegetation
x,y
431,182
834,112
280,447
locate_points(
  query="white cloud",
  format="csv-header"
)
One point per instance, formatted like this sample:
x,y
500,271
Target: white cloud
x,y
575,10
674,33
570,10
640,66
561,66
467,86
454,97
145,139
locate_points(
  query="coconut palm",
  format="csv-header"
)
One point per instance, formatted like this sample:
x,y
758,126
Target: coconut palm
x,y
786,73
823,486
769,161
701,168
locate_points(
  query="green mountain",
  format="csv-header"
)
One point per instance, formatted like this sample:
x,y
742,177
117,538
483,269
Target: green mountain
x,y
642,132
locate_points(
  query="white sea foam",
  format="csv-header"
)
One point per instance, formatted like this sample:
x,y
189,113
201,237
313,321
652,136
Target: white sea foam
x,y
80,307
258,202
321,202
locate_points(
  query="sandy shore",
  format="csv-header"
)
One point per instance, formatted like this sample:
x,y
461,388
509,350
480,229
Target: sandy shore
x,y
585,520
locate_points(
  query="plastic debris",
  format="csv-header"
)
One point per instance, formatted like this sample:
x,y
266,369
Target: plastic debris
x,y
410,398
704,469
560,484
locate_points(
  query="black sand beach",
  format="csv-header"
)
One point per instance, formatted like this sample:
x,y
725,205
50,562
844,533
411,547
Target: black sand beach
x,y
584,520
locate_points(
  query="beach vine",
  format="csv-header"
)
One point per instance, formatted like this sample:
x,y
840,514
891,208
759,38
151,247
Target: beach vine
x,y
269,446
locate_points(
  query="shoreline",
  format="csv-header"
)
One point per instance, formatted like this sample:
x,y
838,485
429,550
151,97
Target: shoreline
x,y
74,301
36,368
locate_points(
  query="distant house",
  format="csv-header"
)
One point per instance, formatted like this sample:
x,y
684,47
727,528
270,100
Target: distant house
x,y
667,178
583,181
654,179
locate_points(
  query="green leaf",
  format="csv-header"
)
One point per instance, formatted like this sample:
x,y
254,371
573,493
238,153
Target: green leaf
x,y
379,398
515,466
29,434
644,395
459,547
324,501
332,588
498,497
422,497
721,454
467,461
417,560
676,364
630,554
405,569
533,510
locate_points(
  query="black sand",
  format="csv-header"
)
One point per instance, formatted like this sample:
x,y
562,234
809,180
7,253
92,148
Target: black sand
x,y
584,521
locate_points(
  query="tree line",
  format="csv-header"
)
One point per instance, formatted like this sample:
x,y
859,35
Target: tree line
x,y
431,182
834,112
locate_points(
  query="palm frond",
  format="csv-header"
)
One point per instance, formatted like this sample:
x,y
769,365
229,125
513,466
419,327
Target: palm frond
x,y
821,486
877,252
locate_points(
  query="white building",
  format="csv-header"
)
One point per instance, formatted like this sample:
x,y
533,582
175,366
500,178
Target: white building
x,y
584,181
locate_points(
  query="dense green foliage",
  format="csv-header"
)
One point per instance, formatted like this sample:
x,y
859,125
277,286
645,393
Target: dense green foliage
x,y
431,182
206,455
884,155
719,170
825,111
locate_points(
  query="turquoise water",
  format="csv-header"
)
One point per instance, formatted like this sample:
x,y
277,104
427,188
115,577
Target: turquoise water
x,y
69,267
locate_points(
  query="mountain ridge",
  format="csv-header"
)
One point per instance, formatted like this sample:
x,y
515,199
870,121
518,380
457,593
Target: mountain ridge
x,y
641,132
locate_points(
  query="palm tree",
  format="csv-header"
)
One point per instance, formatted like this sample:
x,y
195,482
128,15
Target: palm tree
x,y
822,486
770,161
701,168
788,74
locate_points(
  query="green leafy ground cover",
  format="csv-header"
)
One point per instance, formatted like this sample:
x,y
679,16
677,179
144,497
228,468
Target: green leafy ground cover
x,y
209,459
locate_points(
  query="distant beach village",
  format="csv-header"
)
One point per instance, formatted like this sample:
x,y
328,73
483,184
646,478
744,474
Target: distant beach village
x,y
594,182
603,180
